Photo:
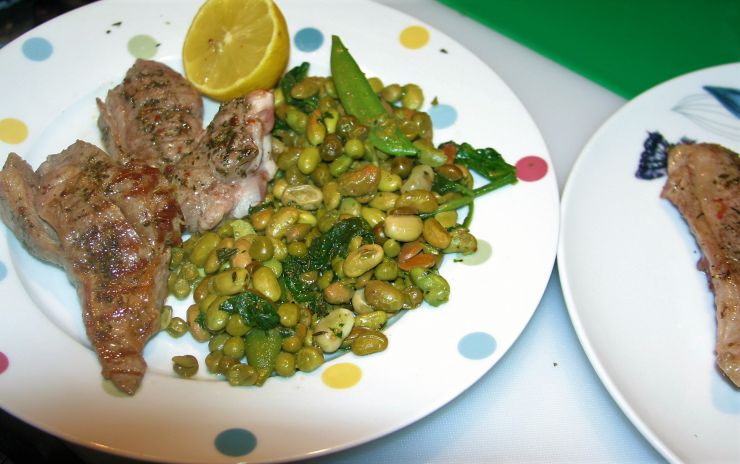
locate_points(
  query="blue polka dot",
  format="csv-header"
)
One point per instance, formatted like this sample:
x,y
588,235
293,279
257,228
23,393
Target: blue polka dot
x,y
3,271
37,49
443,116
235,442
308,39
477,345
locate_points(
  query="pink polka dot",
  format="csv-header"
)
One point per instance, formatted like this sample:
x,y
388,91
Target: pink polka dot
x,y
4,362
531,168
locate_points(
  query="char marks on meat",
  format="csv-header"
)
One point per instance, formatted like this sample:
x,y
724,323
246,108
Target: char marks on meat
x,y
154,116
229,169
110,226
704,184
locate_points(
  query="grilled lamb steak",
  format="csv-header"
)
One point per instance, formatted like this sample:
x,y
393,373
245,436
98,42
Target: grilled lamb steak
x,y
229,169
704,184
154,116
110,226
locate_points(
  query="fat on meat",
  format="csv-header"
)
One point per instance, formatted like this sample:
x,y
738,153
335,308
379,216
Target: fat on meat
x,y
704,185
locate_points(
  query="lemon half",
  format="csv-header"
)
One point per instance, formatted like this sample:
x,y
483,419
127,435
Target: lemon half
x,y
235,46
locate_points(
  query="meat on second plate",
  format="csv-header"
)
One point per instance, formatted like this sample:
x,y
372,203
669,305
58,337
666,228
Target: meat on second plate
x,y
704,185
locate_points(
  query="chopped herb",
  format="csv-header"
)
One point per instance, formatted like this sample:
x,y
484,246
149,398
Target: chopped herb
x,y
256,310
289,80
333,243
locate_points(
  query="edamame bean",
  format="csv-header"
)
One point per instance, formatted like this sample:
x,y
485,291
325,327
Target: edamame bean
x,y
265,282
362,260
309,358
436,235
185,366
383,296
403,228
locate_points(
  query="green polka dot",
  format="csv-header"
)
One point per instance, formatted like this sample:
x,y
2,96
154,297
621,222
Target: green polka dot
x,y
143,46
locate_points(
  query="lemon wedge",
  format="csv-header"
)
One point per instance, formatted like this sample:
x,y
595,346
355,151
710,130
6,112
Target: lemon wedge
x,y
235,46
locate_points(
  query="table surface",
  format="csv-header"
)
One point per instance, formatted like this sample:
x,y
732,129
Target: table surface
x,y
543,401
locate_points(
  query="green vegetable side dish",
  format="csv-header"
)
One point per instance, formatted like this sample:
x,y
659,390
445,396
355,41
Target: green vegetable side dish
x,y
353,231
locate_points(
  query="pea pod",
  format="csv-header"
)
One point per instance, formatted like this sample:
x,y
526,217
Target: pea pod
x,y
360,100
262,348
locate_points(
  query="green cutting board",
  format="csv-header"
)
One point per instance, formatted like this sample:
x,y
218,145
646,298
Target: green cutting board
x,y
627,46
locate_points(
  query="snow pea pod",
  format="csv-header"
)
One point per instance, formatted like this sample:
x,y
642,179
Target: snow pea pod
x,y
360,100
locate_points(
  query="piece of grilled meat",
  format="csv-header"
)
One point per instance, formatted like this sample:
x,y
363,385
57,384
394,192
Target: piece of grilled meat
x,y
704,184
229,168
110,226
154,116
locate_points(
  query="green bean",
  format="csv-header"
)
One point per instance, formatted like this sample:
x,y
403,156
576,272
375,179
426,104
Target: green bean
x,y
309,160
362,260
383,296
203,247
234,347
236,326
285,364
193,316
435,234
230,281
242,374
413,97
289,314
354,148
369,341
404,228
265,281
435,287
185,366
309,358
177,327
217,342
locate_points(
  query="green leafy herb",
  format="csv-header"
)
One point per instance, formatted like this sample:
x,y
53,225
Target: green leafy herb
x,y
333,243
289,80
487,162
256,310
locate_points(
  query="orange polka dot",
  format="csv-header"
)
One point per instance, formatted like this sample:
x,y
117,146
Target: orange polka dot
x,y
342,375
13,130
414,37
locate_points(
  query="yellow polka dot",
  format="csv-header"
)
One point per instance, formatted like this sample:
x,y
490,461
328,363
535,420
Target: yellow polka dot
x,y
414,37
342,375
12,130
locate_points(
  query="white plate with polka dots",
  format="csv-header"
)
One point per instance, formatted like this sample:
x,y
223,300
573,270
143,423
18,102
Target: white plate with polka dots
x,y
627,261
49,377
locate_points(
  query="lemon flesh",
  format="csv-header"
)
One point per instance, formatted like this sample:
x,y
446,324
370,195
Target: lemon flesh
x,y
235,46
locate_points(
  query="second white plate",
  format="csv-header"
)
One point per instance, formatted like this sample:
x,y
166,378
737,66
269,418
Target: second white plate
x,y
627,264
